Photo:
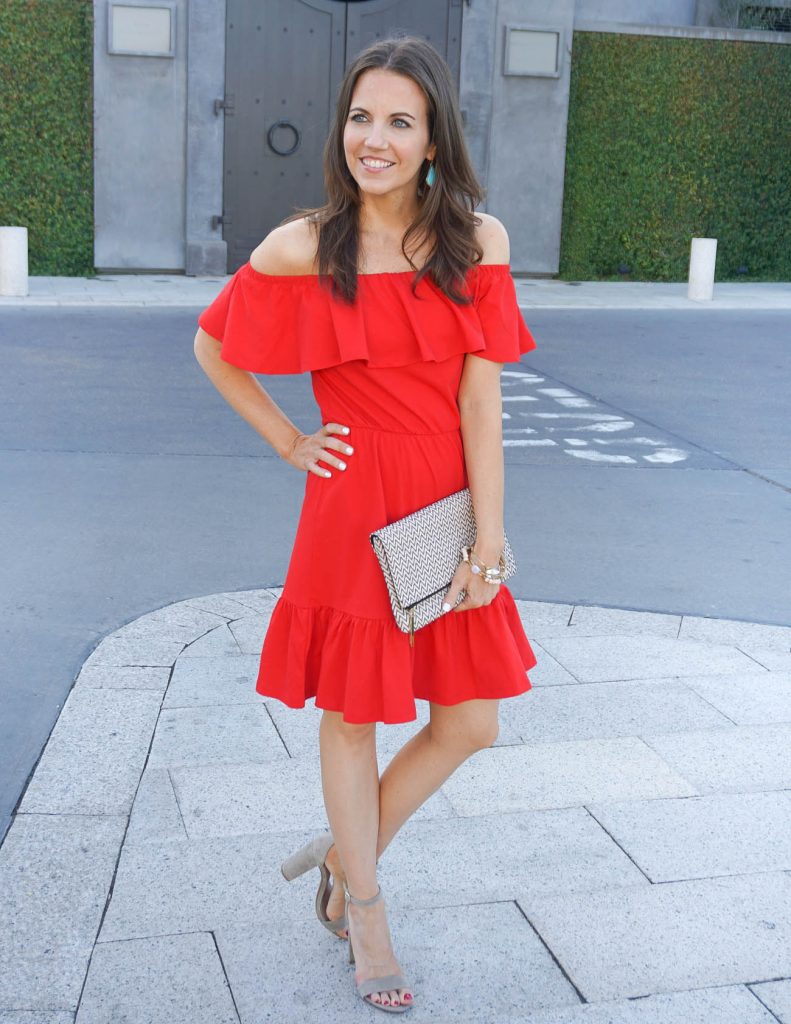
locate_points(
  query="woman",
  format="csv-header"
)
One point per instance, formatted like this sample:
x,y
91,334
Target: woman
x,y
400,303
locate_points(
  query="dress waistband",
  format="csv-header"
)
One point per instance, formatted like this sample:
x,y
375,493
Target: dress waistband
x,y
402,433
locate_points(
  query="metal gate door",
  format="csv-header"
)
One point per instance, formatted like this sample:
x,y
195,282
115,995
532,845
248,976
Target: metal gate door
x,y
284,60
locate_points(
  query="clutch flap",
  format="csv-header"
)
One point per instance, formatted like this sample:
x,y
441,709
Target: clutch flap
x,y
423,549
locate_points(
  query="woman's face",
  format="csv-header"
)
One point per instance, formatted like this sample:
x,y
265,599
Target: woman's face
x,y
387,121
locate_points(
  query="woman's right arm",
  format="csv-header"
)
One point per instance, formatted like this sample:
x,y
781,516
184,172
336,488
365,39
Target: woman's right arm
x,y
244,394
287,249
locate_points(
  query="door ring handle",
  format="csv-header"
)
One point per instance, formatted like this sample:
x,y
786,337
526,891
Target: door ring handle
x,y
270,136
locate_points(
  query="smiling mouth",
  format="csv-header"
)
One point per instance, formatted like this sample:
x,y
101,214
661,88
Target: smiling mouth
x,y
377,166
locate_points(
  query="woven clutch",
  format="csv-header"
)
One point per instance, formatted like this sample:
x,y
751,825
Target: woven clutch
x,y
420,554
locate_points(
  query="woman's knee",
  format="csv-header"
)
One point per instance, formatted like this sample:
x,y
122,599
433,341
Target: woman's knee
x,y
471,726
355,733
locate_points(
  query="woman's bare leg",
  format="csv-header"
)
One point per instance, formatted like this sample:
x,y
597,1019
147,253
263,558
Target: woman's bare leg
x,y
419,768
350,781
429,758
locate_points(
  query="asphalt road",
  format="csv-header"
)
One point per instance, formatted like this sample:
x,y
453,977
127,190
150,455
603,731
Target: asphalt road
x,y
648,460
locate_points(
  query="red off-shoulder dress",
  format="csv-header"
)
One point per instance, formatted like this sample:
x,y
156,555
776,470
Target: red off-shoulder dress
x,y
389,367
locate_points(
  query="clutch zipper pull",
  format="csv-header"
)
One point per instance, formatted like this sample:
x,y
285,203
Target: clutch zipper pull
x,y
411,627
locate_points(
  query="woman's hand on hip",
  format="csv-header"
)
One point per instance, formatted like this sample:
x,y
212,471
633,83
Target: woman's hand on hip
x,y
307,449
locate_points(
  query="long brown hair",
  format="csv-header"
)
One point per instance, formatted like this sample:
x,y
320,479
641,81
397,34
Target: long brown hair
x,y
446,210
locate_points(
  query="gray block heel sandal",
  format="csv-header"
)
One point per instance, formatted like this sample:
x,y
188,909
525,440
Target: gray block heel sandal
x,y
312,856
386,983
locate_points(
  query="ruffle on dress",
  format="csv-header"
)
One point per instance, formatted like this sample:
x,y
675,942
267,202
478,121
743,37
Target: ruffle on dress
x,y
364,669
292,323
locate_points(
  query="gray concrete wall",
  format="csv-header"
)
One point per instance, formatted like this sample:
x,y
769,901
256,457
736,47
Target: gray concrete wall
x,y
644,12
206,251
139,153
516,128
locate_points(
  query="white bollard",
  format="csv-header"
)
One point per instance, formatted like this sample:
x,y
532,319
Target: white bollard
x,y
13,261
702,259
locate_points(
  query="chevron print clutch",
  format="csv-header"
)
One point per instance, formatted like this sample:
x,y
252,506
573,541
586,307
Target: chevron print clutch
x,y
420,554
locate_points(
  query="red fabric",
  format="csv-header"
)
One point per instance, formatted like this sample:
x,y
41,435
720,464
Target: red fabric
x,y
389,368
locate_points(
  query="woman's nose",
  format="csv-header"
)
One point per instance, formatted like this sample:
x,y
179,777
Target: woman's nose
x,y
375,138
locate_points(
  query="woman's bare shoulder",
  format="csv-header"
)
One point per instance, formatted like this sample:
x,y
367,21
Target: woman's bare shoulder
x,y
288,249
493,239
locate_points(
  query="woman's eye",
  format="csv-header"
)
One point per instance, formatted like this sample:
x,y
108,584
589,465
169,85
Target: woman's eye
x,y
399,119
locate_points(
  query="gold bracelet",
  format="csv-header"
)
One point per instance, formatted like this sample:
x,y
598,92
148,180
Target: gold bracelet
x,y
490,573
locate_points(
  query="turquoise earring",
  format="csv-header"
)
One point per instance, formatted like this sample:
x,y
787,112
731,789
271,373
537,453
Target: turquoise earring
x,y
431,177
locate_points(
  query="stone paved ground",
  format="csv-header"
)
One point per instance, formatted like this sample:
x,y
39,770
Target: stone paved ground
x,y
621,855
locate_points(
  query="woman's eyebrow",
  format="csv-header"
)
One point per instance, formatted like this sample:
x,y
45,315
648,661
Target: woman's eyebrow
x,y
398,113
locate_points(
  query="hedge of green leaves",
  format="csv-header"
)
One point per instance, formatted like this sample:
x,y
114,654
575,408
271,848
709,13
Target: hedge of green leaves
x,y
673,138
46,130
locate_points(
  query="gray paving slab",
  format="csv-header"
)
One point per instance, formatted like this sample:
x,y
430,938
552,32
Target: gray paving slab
x,y
494,962
95,755
769,657
131,651
543,614
593,621
776,996
262,600
175,885
664,938
211,680
249,632
744,758
282,794
219,643
548,671
131,677
228,604
224,734
561,775
731,1004
179,621
605,710
754,698
55,875
732,631
699,837
155,812
164,979
495,857
601,659
36,1017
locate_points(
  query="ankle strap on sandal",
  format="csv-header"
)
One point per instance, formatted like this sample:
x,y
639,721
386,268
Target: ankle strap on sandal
x,y
367,902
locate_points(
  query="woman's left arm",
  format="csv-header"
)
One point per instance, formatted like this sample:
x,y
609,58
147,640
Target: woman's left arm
x,y
481,412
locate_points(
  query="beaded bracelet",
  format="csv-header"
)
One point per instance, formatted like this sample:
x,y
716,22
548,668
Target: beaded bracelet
x,y
490,573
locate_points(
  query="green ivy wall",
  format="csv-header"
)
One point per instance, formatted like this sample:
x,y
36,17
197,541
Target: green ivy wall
x,y
46,130
671,138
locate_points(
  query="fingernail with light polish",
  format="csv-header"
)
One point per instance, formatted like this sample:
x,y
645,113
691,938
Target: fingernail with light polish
x,y
445,606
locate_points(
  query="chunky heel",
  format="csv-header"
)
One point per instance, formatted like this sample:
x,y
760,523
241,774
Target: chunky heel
x,y
300,862
312,855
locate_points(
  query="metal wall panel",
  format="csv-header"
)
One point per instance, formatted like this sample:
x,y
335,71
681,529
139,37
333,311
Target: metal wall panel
x,y
284,63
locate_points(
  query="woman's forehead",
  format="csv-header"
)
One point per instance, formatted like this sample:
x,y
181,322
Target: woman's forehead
x,y
386,91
